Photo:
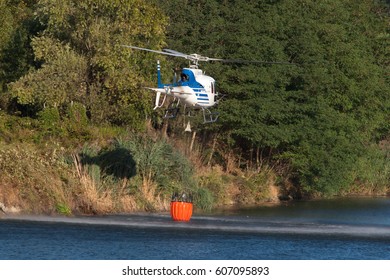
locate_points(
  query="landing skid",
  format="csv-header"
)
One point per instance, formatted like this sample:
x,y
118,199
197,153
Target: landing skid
x,y
208,116
173,110
158,103
171,113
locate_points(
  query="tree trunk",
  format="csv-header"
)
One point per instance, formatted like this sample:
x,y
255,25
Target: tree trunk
x,y
192,140
164,130
212,150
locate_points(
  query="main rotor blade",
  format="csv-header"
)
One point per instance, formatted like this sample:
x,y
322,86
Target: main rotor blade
x,y
243,61
160,52
175,52
195,57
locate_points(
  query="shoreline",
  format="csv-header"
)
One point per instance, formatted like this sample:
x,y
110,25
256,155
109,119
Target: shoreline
x,y
16,211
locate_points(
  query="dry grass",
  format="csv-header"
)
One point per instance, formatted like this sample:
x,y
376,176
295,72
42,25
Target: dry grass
x,y
107,197
30,179
9,196
128,203
92,199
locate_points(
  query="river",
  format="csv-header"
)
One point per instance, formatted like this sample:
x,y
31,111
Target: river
x,y
338,229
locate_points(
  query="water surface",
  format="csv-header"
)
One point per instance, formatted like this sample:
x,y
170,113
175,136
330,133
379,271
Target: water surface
x,y
332,229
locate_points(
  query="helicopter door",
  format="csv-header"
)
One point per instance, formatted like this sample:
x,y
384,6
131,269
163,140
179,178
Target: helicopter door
x,y
213,91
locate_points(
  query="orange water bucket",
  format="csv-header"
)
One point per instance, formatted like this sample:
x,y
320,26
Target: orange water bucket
x,y
181,211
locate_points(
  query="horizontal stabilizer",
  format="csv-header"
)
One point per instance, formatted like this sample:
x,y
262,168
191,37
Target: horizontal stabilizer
x,y
162,90
168,91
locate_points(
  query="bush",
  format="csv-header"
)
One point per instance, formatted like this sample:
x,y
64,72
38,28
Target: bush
x,y
203,199
150,170
49,117
372,173
159,162
63,209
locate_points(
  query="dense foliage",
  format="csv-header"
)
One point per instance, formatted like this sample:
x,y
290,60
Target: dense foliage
x,y
320,116
79,58
321,122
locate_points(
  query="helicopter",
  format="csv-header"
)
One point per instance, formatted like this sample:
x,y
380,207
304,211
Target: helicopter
x,y
194,88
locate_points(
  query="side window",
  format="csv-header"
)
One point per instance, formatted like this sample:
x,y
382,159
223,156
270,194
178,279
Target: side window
x,y
184,77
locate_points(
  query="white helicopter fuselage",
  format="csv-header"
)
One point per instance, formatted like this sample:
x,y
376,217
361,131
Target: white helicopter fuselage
x,y
194,89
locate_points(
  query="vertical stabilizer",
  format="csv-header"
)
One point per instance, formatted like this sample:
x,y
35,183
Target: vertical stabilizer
x,y
159,83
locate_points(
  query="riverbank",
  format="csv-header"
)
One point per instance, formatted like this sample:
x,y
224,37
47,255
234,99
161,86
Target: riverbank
x,y
123,172
82,196
105,179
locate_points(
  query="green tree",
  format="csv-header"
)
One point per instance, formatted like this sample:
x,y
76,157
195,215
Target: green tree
x,y
320,114
83,60
17,26
345,81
